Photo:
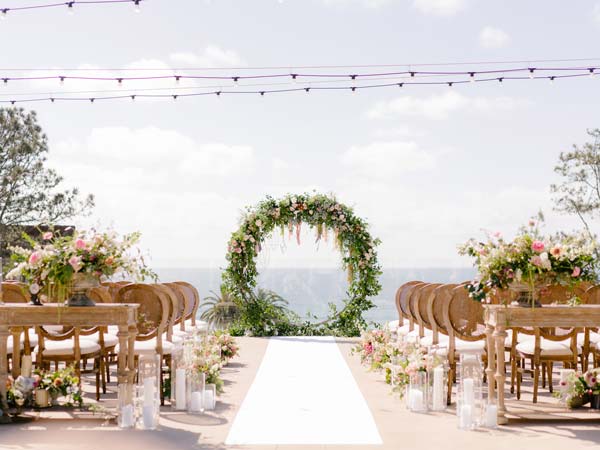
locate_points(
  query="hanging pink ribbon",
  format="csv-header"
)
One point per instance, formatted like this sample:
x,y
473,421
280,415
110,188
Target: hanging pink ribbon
x,y
298,228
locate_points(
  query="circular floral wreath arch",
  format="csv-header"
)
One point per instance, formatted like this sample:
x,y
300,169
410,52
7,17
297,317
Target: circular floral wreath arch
x,y
324,214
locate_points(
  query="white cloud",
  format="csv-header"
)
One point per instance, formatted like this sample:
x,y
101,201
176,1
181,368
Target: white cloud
x,y
440,7
401,131
387,159
219,159
439,107
210,56
491,37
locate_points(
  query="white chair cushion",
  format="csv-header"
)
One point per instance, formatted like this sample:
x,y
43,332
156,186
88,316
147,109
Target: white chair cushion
x,y
201,325
9,345
442,340
67,347
469,346
149,347
594,338
403,330
547,348
110,340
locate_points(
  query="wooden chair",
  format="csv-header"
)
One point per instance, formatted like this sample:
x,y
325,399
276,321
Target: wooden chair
x,y
402,320
405,306
70,348
153,319
107,340
463,320
435,305
192,305
13,292
426,295
183,303
591,335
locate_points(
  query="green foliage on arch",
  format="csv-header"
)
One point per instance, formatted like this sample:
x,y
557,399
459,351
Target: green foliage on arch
x,y
330,219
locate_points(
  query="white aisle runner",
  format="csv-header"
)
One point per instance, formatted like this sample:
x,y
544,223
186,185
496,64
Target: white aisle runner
x,y
304,393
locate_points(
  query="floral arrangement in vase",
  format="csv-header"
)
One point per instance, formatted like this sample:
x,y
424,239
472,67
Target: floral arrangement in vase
x,y
577,390
59,383
206,358
227,344
375,348
530,260
51,266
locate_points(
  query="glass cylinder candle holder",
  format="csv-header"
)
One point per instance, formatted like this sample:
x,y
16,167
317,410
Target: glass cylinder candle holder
x,y
491,414
195,392
210,397
179,378
149,391
417,392
126,406
469,404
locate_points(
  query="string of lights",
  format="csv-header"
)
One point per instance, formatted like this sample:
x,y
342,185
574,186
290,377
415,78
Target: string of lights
x,y
413,73
263,92
70,5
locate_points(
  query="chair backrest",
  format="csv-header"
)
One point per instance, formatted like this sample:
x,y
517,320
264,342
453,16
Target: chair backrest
x,y
173,307
562,294
438,305
15,293
405,300
463,318
100,294
193,303
182,305
424,298
153,313
413,304
399,292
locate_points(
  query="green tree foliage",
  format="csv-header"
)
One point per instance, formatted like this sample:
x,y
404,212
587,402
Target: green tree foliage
x,y
30,192
579,191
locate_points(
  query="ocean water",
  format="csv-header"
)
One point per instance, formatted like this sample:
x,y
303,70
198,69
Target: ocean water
x,y
311,290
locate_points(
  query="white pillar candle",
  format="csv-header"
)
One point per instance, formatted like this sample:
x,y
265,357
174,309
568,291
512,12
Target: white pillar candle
x,y
438,389
196,401
127,420
26,366
468,392
180,389
149,391
209,400
466,416
491,416
148,416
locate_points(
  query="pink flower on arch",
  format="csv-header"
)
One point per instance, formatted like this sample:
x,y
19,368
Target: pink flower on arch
x,y
47,235
538,246
576,272
80,244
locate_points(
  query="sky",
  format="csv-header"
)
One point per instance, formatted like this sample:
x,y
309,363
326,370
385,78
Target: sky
x,y
427,166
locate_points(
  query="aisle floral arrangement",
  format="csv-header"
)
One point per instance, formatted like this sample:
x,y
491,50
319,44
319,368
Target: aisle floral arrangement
x,y
399,361
579,389
530,259
210,354
59,383
49,266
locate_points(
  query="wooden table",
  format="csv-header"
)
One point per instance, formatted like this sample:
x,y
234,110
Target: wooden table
x,y
498,318
15,317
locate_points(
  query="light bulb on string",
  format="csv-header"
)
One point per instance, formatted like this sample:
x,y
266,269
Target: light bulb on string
x,y
136,6
5,80
295,78
61,80
133,98
531,70
400,84
174,98
472,75
70,9
450,83
591,69
500,80
353,77
177,78
120,81
262,93
551,80
4,14
353,88
235,82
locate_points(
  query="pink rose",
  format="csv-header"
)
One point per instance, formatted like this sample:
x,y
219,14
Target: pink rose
x,y
47,235
80,244
538,246
75,263
536,261
532,223
35,257
576,272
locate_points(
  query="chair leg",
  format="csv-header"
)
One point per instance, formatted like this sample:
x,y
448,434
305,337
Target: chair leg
x,y
513,372
550,368
536,380
102,372
519,376
544,367
107,365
